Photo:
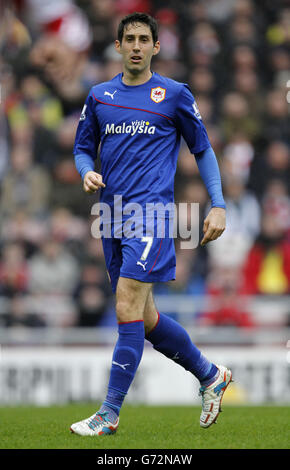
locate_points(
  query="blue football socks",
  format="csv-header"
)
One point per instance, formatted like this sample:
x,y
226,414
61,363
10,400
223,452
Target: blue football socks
x,y
126,358
167,337
172,340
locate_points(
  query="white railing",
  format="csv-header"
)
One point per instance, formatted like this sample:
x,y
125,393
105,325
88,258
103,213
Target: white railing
x,y
271,314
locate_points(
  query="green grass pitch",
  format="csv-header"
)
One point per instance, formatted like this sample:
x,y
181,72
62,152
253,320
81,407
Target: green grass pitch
x,y
147,427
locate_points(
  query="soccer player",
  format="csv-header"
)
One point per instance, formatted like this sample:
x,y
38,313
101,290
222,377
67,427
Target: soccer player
x,y
138,117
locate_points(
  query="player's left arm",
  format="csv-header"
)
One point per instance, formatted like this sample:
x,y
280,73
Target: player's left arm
x,y
215,222
189,123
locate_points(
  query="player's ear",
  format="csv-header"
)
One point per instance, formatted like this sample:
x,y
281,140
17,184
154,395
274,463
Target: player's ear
x,y
156,48
118,46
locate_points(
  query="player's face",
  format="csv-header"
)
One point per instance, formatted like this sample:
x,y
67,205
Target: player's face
x,y
137,48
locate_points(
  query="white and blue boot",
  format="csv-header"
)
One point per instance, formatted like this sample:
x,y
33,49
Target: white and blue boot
x,y
212,397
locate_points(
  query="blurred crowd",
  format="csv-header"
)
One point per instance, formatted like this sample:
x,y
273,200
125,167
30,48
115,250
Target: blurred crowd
x,y
234,54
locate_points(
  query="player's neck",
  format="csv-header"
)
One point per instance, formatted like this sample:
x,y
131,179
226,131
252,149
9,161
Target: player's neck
x,y
136,79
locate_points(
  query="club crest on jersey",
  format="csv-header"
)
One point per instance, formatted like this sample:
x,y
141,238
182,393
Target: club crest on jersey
x,y
157,94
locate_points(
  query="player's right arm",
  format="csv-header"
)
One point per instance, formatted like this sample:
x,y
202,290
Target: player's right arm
x,y
86,147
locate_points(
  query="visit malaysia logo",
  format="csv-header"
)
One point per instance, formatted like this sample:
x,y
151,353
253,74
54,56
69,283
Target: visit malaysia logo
x,y
136,127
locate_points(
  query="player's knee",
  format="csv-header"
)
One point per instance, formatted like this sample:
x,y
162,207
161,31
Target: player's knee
x,y
127,311
150,321
150,314
122,314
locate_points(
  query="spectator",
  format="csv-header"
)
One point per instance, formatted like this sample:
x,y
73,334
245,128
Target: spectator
x,y
243,210
237,159
101,13
65,226
244,58
168,33
53,277
236,117
21,227
25,187
279,64
66,180
276,203
278,32
271,164
276,119
35,96
13,270
242,31
92,295
202,81
20,315
225,307
67,69
53,270
203,45
247,83
267,266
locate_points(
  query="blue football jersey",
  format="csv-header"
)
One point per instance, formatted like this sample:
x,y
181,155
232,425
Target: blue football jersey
x,y
139,129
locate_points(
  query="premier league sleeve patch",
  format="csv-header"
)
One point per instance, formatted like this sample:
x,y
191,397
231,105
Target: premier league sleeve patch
x,y
157,94
83,113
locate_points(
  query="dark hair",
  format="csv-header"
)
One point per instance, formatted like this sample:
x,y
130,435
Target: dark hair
x,y
138,18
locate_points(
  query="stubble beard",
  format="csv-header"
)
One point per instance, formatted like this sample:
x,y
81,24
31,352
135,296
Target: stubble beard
x,y
136,70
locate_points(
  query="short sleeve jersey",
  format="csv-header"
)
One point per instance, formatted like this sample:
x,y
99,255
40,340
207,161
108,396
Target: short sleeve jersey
x,y
139,130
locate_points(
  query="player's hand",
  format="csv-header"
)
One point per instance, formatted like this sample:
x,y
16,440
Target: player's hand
x,y
92,182
214,225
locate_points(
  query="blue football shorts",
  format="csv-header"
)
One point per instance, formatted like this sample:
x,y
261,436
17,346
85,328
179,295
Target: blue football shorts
x,y
146,259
